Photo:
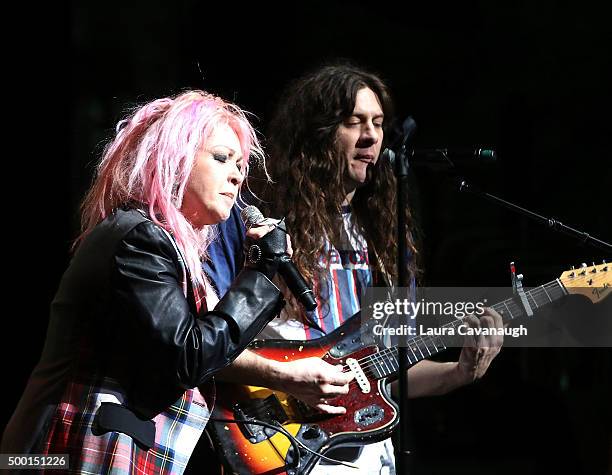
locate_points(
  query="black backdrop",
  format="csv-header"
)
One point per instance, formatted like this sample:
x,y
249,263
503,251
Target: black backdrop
x,y
527,78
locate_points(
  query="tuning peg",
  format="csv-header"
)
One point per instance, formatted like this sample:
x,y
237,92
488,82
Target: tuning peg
x,y
583,268
594,269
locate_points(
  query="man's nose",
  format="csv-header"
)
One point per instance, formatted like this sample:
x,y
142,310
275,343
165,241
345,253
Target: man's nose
x,y
369,134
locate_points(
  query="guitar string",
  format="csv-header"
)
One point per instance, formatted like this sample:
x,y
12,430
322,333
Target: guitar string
x,y
431,340
427,341
535,294
370,361
373,361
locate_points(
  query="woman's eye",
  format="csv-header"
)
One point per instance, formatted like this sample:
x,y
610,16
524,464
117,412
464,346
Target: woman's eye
x,y
220,157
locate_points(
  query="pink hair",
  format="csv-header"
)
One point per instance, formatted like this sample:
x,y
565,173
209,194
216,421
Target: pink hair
x,y
150,159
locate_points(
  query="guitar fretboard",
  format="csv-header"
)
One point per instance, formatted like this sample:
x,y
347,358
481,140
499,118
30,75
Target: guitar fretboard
x,y
385,363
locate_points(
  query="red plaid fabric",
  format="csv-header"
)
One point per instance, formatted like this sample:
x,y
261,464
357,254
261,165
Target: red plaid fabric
x,y
177,429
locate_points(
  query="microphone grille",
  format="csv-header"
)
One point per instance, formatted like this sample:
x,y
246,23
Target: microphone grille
x,y
487,155
388,155
251,215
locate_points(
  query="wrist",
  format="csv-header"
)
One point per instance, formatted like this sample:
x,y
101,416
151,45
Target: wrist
x,y
277,375
461,375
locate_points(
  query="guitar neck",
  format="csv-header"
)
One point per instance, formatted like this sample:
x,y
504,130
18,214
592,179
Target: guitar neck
x,y
385,363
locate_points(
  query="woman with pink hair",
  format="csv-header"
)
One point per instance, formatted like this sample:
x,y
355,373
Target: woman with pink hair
x,y
136,332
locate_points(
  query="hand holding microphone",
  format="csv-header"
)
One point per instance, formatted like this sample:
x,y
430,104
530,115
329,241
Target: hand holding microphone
x,y
269,253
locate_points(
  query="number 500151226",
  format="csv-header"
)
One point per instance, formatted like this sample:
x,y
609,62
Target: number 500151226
x,y
33,461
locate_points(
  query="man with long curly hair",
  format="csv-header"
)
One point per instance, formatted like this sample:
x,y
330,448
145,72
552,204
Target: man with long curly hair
x,y
337,197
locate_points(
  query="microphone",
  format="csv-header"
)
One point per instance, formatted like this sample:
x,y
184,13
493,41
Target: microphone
x,y
291,275
445,157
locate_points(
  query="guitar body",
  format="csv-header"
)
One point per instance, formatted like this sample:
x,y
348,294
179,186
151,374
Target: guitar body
x,y
251,449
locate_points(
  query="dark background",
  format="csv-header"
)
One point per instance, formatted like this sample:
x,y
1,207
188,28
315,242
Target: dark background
x,y
526,78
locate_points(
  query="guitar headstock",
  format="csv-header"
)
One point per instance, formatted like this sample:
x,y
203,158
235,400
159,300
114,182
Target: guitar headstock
x,y
594,282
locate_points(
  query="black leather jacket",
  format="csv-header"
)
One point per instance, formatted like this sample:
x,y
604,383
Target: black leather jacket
x,y
121,313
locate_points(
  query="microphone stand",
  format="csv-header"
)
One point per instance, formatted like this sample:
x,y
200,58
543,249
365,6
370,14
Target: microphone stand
x,y
585,238
403,457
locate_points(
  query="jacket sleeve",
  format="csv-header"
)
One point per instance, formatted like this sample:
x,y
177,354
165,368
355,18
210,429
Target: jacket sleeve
x,y
168,341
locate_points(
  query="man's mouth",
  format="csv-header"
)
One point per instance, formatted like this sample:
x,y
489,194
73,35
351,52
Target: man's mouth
x,y
368,158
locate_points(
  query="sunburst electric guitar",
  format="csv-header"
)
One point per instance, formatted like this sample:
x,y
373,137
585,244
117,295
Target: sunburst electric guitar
x,y
247,447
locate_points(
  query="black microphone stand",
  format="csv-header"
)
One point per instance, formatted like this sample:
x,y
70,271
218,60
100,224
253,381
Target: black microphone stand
x,y
403,457
586,238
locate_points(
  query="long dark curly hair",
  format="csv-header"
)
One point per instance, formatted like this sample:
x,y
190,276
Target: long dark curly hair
x,y
309,188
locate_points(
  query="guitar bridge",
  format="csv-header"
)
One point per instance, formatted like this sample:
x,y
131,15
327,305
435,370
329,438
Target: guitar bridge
x,y
369,415
266,410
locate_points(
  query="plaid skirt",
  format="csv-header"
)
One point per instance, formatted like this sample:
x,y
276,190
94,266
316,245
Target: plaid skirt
x,y
177,430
